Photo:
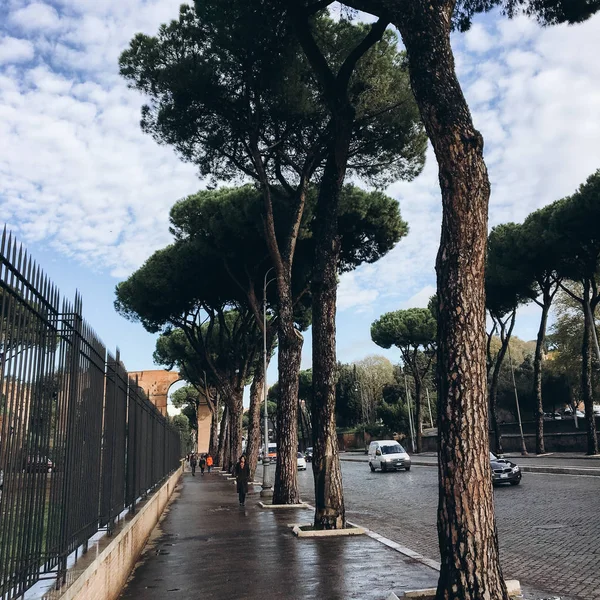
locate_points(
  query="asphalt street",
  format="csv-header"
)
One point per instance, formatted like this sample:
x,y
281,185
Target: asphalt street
x,y
548,527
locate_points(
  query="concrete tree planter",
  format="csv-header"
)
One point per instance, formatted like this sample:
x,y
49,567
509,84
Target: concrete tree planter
x,y
305,530
513,586
278,506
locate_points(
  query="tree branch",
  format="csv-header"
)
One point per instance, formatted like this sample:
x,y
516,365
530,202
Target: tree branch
x,y
347,68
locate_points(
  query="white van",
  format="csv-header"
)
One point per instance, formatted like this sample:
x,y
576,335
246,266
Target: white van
x,y
388,455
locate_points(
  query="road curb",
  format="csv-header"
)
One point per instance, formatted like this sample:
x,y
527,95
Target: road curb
x,y
589,471
581,471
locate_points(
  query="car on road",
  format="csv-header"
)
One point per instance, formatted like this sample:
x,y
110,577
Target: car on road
x,y
308,455
504,471
272,448
388,455
301,462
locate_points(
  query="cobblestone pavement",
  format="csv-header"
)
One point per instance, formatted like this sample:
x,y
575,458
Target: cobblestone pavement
x,y
556,461
548,527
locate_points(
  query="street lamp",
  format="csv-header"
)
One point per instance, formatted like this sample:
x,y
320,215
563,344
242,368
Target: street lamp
x,y
266,491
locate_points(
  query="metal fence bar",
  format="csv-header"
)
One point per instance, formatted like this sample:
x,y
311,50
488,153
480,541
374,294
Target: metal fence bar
x,y
79,441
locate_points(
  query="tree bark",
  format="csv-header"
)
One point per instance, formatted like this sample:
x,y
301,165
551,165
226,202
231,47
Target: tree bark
x,y
470,565
586,373
285,490
329,498
537,376
213,445
256,397
330,511
221,452
235,428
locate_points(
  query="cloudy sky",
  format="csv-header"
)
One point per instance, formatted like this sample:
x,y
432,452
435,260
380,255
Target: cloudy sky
x,y
89,194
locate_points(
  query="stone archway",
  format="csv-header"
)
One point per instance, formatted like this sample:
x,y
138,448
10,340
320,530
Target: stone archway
x,y
156,384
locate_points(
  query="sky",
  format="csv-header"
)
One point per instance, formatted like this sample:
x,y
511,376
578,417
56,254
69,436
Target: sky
x,y
89,194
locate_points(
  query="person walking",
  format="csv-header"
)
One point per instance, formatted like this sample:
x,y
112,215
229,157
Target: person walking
x,y
202,463
193,463
209,462
242,476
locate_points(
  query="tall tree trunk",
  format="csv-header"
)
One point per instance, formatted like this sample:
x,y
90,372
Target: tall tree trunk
x,y
537,376
505,336
329,497
330,512
418,415
213,445
223,442
235,428
586,373
256,396
470,565
285,490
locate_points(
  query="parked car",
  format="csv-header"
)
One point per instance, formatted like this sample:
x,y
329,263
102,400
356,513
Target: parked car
x,y
38,464
504,471
388,455
568,412
555,416
301,462
272,452
308,454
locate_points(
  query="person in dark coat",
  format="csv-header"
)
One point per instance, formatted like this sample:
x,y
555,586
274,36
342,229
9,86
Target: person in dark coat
x,y
242,477
202,463
193,463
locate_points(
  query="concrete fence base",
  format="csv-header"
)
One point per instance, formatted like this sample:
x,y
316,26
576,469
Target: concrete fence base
x,y
103,571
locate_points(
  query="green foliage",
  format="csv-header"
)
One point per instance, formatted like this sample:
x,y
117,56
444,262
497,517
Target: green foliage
x,y
394,417
188,398
508,282
182,424
564,345
171,284
575,220
223,76
185,395
226,344
219,255
408,330
540,246
347,397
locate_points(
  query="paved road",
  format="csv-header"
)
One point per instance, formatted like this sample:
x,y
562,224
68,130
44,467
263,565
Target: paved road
x,y
549,526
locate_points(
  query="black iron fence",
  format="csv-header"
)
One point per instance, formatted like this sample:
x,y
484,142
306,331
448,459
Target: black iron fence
x,y
79,441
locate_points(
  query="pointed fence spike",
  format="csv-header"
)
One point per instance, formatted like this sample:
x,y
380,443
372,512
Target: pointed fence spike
x,y
3,243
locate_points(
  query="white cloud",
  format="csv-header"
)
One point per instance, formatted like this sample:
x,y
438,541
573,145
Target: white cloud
x,y
36,16
534,96
421,298
352,295
478,39
77,173
15,50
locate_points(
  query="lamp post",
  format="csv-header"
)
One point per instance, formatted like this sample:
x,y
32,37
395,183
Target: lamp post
x,y
266,491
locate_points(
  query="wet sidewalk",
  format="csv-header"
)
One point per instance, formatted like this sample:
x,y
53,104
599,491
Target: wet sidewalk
x,y
208,547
